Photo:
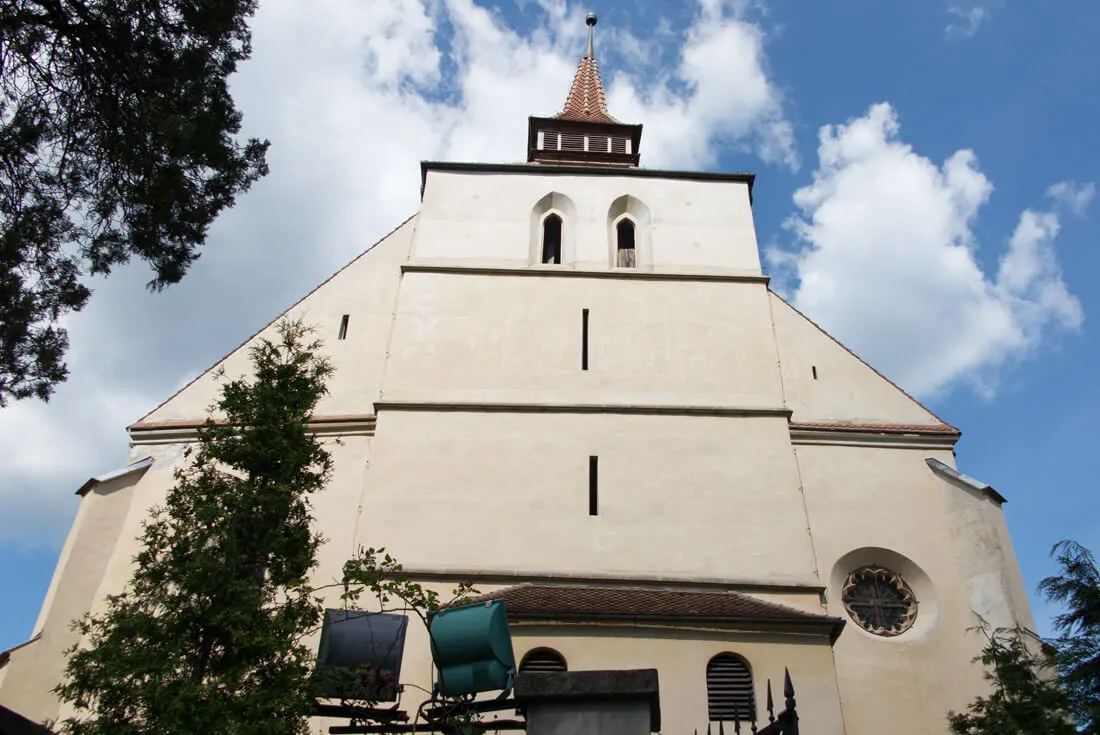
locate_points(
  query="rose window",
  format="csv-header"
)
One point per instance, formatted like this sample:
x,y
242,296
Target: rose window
x,y
879,601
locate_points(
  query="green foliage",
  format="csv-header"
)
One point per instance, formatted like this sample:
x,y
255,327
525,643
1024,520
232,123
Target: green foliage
x,y
117,140
1025,700
207,636
1077,649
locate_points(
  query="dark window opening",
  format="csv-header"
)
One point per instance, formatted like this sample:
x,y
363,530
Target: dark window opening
x,y
598,143
814,368
543,659
593,499
627,253
343,333
729,689
584,339
551,141
551,239
618,145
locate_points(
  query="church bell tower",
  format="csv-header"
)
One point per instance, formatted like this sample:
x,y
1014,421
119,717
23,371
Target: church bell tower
x,y
584,132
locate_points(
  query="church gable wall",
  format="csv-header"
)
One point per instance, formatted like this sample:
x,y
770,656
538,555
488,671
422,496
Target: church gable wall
x,y
365,290
485,218
823,381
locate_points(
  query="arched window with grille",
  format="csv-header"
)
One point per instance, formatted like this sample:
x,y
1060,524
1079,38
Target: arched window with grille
x,y
551,239
729,689
542,659
625,240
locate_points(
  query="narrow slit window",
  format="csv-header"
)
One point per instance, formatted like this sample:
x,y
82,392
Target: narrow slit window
x,y
584,339
551,239
814,368
627,253
593,489
343,333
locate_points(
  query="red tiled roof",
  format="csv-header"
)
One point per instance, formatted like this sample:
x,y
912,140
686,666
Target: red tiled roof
x,y
586,101
570,601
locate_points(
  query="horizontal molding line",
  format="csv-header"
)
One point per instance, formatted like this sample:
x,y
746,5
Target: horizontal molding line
x,y
480,407
848,438
561,272
514,576
168,432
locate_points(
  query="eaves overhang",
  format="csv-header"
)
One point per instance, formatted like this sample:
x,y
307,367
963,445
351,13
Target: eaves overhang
x,y
140,466
953,476
544,169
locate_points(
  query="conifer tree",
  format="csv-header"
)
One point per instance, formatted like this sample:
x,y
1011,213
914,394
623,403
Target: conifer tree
x,y
1026,697
1077,649
207,636
118,141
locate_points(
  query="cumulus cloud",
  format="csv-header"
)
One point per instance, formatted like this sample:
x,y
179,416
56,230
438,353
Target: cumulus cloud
x,y
720,47
353,95
887,260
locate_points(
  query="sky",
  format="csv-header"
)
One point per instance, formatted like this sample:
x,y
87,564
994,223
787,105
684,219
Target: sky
x,y
925,191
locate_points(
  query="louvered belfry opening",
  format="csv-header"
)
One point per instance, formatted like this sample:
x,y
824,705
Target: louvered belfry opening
x,y
729,689
542,660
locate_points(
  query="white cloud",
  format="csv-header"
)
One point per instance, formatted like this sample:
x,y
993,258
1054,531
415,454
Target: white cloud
x,y
1071,196
888,261
353,95
683,129
967,20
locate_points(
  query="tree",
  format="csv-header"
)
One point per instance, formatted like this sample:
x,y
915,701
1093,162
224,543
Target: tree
x,y
207,637
117,140
1025,700
1077,649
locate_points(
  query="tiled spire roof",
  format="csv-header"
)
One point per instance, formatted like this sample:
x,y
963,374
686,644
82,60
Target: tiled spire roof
x,y
586,101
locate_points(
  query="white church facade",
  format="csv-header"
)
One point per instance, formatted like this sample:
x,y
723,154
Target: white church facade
x,y
568,382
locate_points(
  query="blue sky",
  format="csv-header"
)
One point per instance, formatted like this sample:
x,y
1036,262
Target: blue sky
x,y
943,226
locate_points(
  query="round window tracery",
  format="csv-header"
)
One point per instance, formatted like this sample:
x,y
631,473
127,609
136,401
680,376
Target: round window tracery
x,y
879,601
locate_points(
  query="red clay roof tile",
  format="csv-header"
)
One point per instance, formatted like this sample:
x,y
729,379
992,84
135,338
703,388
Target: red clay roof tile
x,y
639,602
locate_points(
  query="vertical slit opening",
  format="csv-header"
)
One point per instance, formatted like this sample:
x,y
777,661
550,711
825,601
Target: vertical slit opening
x,y
584,339
593,498
343,333
814,368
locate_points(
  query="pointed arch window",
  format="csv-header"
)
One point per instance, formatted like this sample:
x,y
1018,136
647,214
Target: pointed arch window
x,y
729,689
551,239
542,659
626,243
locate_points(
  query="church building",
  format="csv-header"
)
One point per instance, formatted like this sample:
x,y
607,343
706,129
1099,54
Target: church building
x,y
568,381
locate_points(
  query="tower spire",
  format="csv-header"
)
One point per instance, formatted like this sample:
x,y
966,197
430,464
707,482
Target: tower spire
x,y
586,100
584,132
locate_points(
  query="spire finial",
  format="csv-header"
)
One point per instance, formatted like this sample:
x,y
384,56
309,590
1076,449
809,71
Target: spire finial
x,y
591,20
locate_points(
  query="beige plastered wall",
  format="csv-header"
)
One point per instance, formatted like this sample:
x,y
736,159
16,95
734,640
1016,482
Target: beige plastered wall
x,y
883,506
38,666
486,423
484,219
